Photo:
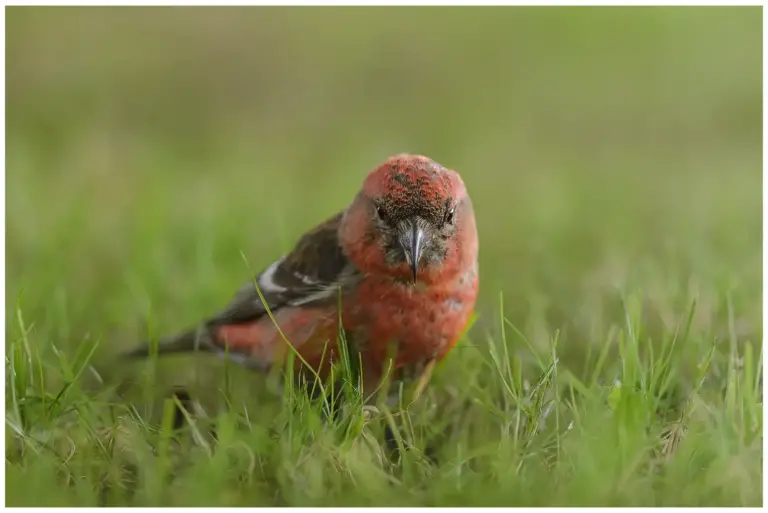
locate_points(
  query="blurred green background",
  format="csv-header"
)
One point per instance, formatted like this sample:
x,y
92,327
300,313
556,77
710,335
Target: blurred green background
x,y
606,150
614,160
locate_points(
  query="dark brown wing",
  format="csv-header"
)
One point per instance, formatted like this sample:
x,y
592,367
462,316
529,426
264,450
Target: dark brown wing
x,y
310,274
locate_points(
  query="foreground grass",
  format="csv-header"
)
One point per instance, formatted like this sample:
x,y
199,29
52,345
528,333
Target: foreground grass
x,y
678,422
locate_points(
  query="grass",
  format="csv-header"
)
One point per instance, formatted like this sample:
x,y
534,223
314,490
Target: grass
x,y
614,160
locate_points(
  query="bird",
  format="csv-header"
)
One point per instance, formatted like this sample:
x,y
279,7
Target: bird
x,y
395,272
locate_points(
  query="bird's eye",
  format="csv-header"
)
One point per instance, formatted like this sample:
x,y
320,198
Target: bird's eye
x,y
449,216
380,212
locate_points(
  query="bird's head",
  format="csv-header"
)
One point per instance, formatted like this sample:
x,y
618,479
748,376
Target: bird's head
x,y
411,220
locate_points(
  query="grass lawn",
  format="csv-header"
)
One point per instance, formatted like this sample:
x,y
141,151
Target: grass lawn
x,y
614,161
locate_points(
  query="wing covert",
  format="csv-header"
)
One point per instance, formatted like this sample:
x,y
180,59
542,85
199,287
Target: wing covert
x,y
310,274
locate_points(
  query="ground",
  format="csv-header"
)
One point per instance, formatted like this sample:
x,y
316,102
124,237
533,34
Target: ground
x,y
156,159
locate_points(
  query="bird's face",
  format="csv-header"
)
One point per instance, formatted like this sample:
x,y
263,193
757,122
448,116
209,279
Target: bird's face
x,y
415,233
410,219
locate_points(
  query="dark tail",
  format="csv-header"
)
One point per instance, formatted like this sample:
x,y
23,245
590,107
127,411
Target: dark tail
x,y
186,342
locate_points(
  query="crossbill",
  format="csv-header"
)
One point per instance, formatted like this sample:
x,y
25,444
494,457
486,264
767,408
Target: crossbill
x,y
397,268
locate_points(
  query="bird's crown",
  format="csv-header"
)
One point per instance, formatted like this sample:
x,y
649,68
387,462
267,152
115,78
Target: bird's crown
x,y
413,184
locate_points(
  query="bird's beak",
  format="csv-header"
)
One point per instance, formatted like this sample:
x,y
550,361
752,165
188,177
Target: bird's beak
x,y
413,242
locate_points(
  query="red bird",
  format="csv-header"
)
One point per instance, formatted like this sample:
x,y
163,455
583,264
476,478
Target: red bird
x,y
400,260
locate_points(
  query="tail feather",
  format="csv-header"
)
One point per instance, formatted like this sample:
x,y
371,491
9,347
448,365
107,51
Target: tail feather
x,y
185,342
